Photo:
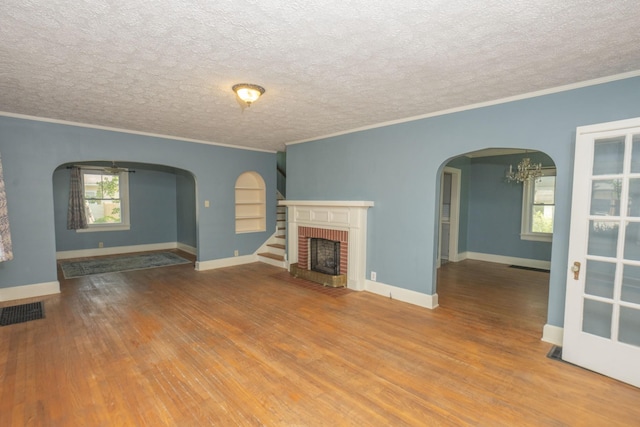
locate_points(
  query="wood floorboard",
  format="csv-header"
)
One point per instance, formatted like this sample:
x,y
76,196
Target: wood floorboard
x,y
249,346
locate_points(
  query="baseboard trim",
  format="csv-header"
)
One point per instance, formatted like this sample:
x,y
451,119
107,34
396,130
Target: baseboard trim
x,y
225,262
500,259
405,295
115,250
29,291
553,334
186,248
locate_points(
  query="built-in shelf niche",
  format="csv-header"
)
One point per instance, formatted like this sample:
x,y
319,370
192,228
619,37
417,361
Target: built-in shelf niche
x,y
250,203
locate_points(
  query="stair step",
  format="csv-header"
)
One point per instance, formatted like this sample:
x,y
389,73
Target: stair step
x,y
282,228
272,256
276,245
281,236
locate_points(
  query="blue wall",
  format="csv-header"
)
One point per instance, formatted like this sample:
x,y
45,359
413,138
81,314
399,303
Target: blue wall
x,y
32,150
152,209
398,167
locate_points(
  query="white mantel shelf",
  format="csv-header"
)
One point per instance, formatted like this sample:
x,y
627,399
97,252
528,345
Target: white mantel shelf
x,y
347,215
338,203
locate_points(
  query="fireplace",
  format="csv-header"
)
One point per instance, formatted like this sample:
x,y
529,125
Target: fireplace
x,y
324,256
344,222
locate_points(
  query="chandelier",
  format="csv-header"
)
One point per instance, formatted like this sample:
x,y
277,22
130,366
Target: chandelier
x,y
525,171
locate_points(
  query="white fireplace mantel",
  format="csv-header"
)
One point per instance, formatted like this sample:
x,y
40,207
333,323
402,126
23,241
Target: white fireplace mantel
x,y
349,216
328,203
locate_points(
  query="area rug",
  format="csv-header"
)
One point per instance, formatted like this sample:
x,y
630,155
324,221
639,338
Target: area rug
x,y
21,313
73,269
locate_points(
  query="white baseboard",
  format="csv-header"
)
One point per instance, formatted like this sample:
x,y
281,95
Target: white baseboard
x,y
500,259
29,291
553,334
225,262
115,250
405,295
186,248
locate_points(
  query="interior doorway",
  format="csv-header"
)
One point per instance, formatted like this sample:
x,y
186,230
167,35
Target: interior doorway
x,y
449,226
480,223
162,204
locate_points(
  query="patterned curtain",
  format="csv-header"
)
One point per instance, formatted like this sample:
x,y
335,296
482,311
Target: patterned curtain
x,y
6,251
76,214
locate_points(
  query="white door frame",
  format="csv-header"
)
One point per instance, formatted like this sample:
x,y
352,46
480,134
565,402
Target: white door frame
x,y
454,214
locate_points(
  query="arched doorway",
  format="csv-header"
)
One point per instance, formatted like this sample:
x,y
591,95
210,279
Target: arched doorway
x,y
505,236
161,201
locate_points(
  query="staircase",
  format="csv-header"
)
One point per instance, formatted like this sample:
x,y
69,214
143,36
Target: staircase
x,y
275,253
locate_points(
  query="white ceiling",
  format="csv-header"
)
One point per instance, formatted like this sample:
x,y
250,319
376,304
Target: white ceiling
x,y
167,66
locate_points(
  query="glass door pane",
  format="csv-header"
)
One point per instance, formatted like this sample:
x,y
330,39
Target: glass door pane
x,y
608,156
600,278
635,157
629,326
631,284
605,197
603,238
597,318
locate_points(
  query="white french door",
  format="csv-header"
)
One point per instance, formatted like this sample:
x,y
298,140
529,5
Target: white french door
x,y
602,311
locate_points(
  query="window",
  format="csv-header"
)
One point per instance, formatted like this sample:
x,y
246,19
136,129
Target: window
x,y
538,207
106,198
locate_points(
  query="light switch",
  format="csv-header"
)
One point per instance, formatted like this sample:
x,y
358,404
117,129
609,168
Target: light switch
x,y
206,203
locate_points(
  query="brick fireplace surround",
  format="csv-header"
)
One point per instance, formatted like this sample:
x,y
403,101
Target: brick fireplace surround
x,y
306,233
343,221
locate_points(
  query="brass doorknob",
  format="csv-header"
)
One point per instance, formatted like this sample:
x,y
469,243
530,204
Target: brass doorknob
x,y
576,270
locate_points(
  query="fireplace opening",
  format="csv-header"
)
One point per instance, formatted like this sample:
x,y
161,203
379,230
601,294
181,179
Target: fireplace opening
x,y
324,256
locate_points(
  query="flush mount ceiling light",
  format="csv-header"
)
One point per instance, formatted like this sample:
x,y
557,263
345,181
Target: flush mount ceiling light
x,y
248,93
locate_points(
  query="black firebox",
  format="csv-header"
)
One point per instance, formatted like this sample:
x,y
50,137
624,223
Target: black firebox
x,y
325,256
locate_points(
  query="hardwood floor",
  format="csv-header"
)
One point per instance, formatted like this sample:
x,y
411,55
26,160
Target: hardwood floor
x,y
250,345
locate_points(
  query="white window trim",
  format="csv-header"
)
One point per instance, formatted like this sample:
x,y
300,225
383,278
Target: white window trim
x,y
527,201
124,209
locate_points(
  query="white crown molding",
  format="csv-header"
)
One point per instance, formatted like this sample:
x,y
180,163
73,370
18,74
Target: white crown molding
x,y
29,291
520,97
132,132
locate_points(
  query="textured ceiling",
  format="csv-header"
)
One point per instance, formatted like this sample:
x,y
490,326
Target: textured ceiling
x,y
167,66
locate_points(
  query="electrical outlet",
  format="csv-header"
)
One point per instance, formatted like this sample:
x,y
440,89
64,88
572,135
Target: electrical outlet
x,y
373,276
235,253
101,245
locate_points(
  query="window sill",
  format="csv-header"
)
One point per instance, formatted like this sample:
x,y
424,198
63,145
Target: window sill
x,y
97,228
537,237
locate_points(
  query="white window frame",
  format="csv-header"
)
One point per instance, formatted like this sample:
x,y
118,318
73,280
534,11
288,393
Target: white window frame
x,y
527,204
123,182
